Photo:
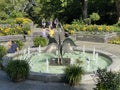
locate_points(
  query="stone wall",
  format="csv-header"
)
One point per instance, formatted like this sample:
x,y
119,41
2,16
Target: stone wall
x,y
96,37
11,37
118,34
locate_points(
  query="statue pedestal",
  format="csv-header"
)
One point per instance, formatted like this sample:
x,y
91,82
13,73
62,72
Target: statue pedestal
x,y
54,62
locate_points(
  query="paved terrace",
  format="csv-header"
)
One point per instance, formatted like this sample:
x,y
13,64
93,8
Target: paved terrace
x,y
6,84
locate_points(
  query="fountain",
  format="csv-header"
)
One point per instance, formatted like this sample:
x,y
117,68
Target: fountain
x,y
61,52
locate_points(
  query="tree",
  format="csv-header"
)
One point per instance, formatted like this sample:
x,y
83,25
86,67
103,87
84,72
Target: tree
x,y
118,7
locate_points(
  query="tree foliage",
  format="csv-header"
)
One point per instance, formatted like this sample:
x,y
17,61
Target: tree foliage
x,y
64,10
106,9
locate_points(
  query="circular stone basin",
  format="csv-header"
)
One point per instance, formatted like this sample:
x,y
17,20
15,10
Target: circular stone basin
x,y
40,62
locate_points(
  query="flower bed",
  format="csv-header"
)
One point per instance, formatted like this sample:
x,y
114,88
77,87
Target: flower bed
x,y
89,28
95,33
18,26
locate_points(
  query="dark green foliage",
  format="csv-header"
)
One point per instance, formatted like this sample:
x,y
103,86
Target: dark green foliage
x,y
20,44
15,14
40,41
3,51
106,9
64,10
73,74
17,70
3,15
118,24
107,80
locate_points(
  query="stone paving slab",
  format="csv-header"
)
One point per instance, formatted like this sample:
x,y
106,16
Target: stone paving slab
x,y
6,84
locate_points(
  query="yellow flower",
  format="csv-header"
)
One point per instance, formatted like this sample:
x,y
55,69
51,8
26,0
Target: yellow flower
x,y
23,20
84,28
66,27
72,31
1,29
100,28
28,32
107,28
6,30
19,27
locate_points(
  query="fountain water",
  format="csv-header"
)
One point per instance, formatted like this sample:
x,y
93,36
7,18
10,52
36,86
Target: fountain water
x,y
39,49
94,54
96,58
83,49
28,50
72,61
47,65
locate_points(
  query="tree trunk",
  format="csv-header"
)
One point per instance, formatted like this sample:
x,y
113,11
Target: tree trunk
x,y
118,7
84,8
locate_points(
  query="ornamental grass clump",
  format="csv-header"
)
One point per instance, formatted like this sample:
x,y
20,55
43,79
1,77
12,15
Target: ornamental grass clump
x,y
18,70
73,74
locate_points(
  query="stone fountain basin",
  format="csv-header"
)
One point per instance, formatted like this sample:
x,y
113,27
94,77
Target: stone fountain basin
x,y
48,77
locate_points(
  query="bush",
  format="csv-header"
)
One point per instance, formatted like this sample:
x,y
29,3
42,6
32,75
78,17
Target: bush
x,y
94,17
73,74
118,24
17,70
107,80
3,51
40,41
20,44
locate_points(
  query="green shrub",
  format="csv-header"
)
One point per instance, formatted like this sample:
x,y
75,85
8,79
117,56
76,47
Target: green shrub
x,y
3,51
78,21
3,15
107,80
94,17
19,43
40,41
18,70
118,24
73,74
